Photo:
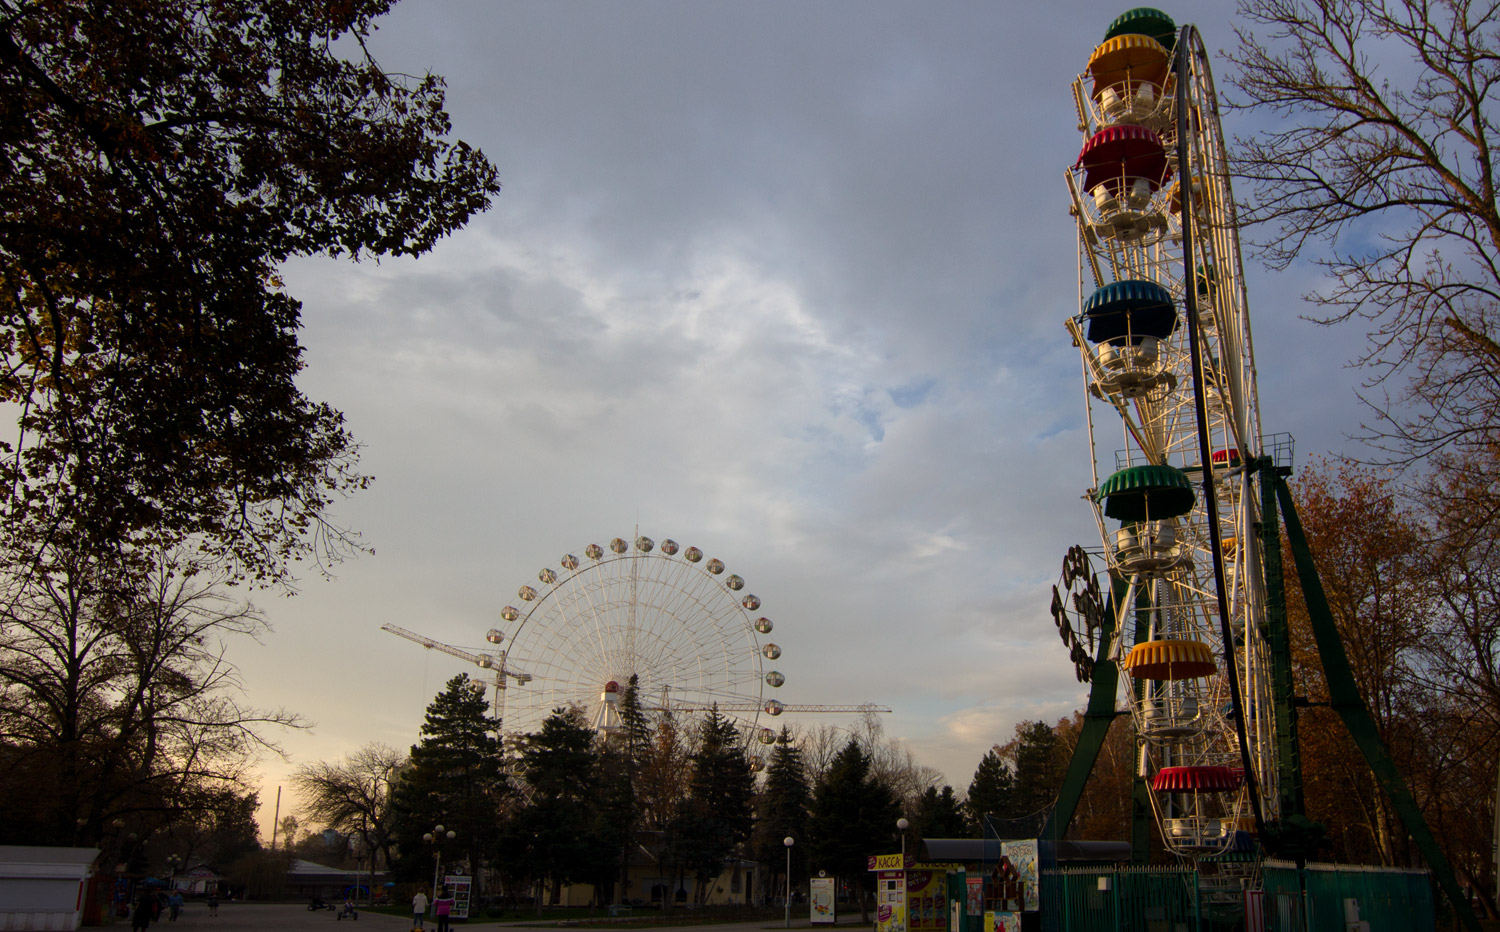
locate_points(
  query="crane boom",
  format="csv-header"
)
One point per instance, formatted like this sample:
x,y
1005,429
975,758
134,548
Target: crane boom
x,y
752,707
430,643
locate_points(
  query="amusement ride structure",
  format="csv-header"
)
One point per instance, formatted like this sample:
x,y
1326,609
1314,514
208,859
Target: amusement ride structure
x,y
690,633
1189,632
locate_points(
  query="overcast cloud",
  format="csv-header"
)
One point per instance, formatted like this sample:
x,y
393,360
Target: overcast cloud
x,y
782,280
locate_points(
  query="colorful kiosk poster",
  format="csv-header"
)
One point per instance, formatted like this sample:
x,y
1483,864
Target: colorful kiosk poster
x,y
890,892
459,887
927,897
823,899
975,888
1023,856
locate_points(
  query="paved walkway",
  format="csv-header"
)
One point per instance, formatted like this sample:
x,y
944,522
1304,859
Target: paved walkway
x,y
264,917
296,917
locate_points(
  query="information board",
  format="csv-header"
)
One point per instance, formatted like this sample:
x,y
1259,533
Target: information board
x,y
459,888
824,899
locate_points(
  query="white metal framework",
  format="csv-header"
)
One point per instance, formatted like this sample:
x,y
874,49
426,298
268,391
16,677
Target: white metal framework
x,y
677,620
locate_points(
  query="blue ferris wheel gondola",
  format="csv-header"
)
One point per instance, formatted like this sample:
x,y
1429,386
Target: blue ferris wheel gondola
x,y
1130,309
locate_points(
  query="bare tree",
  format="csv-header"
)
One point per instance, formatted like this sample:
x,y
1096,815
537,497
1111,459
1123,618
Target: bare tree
x,y
893,763
1380,166
118,707
353,795
819,745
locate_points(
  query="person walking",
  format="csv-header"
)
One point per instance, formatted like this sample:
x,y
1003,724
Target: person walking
x,y
175,903
213,904
442,907
418,911
140,917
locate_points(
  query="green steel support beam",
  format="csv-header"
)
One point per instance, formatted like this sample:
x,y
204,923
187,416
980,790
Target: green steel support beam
x,y
1096,720
1346,701
1278,638
1142,815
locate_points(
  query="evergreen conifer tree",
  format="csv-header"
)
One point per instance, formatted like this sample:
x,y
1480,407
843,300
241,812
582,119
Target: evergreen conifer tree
x,y
455,779
991,792
782,811
853,816
715,823
1039,768
939,814
555,837
637,725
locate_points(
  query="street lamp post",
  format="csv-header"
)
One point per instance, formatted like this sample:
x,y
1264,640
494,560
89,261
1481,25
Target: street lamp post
x,y
436,837
903,825
788,841
173,862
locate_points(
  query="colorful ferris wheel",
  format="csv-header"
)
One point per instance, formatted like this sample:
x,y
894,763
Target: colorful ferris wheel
x,y
1190,629
1168,364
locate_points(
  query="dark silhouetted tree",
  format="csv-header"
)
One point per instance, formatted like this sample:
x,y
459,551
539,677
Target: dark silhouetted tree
x,y
939,814
714,822
453,778
162,160
782,811
353,795
991,792
853,816
557,831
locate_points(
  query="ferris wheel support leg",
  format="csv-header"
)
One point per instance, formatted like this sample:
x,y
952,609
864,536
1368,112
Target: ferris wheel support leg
x,y
1104,682
1142,813
1346,701
1292,803
1142,818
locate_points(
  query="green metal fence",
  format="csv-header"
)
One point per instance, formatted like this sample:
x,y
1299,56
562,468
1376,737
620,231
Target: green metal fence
x,y
1148,899
1389,899
1169,899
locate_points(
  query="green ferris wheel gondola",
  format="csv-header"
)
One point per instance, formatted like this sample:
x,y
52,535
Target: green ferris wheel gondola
x,y
1146,493
1145,21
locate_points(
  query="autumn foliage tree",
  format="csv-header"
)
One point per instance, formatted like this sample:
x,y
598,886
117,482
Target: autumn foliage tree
x,y
1368,549
1412,592
1104,810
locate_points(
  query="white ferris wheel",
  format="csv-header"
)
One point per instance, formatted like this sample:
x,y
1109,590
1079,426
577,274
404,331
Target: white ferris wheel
x,y
1169,369
688,630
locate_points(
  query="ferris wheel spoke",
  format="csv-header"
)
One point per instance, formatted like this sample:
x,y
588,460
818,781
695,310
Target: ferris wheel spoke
x,y
677,621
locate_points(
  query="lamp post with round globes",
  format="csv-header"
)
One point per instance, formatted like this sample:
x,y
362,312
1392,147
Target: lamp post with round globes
x,y
173,862
788,841
436,837
902,825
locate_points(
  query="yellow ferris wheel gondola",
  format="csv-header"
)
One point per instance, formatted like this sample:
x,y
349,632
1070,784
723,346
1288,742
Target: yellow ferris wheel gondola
x,y
1126,62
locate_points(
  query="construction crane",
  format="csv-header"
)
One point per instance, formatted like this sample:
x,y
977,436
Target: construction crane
x,y
484,661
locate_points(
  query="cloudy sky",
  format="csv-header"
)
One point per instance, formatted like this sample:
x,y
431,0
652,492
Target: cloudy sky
x,y
781,280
